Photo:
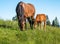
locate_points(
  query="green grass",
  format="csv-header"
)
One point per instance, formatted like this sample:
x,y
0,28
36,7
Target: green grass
x,y
15,36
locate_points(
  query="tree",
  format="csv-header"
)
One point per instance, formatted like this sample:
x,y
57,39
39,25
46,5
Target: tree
x,y
47,21
14,18
55,22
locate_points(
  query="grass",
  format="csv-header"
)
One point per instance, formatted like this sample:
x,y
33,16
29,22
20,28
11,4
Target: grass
x,y
15,36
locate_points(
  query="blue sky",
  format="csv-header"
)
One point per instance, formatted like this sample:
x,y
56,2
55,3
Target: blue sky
x,y
49,7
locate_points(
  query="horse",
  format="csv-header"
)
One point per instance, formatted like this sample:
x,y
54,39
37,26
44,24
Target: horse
x,y
39,19
25,11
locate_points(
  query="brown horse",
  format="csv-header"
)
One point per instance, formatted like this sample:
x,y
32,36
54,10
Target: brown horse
x,y
25,11
39,19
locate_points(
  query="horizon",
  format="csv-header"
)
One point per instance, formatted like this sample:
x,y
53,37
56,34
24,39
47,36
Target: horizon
x,y
48,7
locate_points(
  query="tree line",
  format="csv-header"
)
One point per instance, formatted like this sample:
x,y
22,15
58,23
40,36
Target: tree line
x,y
55,22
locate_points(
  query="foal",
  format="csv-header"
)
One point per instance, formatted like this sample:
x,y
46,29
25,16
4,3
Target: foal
x,y
39,19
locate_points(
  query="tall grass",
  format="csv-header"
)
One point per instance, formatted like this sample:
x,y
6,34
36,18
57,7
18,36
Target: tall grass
x,y
15,36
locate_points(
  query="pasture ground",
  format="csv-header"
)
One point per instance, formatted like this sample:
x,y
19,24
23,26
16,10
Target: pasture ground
x,y
12,35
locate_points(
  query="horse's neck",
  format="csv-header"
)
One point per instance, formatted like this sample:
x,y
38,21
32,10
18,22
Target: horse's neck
x,y
24,5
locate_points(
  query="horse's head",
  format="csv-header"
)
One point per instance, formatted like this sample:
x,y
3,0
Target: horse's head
x,y
20,14
21,22
35,23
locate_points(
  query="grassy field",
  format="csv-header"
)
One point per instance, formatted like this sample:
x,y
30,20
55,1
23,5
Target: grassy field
x,y
10,34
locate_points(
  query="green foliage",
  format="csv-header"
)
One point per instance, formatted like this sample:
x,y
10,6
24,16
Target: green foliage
x,y
15,36
14,18
55,22
8,24
48,21
1,21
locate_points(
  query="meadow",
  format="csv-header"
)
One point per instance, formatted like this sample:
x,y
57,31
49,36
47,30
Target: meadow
x,y
11,34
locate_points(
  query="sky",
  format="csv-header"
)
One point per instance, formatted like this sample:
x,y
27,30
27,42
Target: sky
x,y
48,7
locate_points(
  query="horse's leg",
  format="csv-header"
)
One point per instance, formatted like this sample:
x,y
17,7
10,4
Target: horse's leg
x,y
25,24
45,25
35,24
30,22
40,25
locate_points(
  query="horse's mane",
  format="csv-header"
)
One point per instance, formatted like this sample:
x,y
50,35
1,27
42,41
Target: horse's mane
x,y
18,5
29,4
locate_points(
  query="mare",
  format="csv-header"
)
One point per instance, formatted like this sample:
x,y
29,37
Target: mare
x,y
25,11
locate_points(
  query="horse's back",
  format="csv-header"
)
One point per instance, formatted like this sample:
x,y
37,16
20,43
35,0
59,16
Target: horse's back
x,y
41,17
32,8
29,10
